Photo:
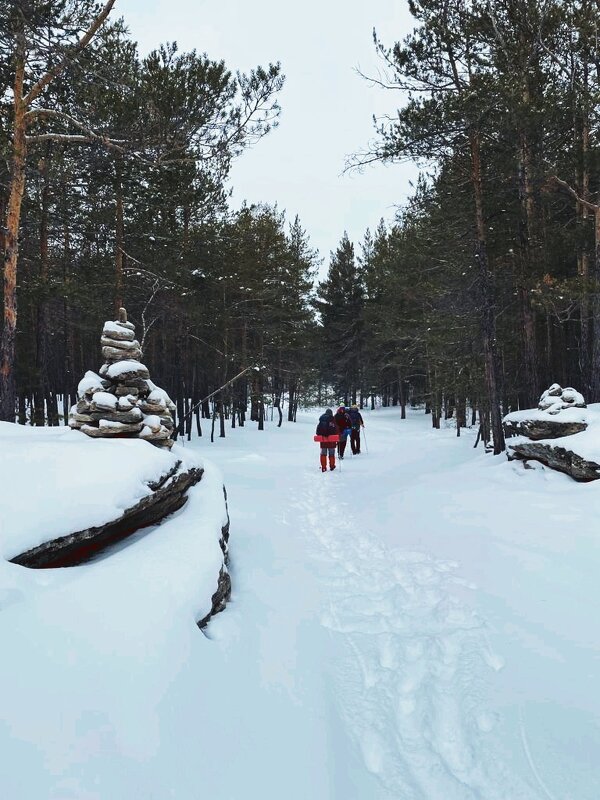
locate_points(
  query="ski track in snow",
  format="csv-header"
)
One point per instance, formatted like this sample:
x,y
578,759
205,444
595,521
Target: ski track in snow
x,y
412,659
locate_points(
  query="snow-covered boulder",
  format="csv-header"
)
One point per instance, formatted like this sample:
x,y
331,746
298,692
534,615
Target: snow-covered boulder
x,y
560,412
536,424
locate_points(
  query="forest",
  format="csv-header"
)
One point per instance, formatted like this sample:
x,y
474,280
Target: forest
x,y
114,192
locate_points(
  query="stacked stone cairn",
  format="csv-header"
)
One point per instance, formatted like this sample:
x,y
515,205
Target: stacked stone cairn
x,y
121,401
556,399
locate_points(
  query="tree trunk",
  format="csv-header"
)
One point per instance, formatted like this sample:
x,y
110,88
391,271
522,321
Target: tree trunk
x,y
527,266
8,389
119,234
292,399
595,366
402,393
41,354
488,304
583,259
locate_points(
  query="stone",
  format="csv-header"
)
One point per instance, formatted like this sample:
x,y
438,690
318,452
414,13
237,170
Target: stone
x,y
119,330
556,457
76,417
126,417
124,391
105,341
537,429
126,371
111,429
113,354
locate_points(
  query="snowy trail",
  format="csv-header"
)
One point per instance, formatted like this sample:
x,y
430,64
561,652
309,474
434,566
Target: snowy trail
x,y
411,658
407,659
387,558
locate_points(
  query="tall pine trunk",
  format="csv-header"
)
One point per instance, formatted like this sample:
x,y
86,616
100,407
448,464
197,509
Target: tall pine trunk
x,y
488,303
119,234
8,389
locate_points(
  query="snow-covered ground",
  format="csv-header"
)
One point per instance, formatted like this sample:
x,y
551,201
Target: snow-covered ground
x,y
420,624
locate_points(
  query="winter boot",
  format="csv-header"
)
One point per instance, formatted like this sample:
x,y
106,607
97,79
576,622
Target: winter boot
x,y
331,462
323,463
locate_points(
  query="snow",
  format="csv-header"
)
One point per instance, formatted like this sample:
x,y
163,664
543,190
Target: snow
x,y
419,624
566,415
159,396
153,422
127,403
89,383
105,401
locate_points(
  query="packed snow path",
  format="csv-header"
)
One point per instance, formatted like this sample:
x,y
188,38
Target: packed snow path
x,y
419,624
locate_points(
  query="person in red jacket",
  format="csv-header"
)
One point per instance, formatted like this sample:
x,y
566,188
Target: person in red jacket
x,y
327,436
344,426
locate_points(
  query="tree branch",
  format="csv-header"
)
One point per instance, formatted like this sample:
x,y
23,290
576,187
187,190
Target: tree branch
x,y
569,189
87,37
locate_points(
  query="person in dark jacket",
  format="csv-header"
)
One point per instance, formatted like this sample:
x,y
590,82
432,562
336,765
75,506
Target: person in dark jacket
x,y
356,423
344,426
327,436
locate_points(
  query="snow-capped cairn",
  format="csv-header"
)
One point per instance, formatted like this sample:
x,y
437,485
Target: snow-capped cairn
x,y
556,399
121,401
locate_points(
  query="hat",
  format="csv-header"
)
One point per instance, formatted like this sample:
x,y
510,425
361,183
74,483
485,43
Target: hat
x,y
353,405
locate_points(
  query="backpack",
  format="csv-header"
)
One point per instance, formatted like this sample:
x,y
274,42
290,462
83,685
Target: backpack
x,y
324,426
354,415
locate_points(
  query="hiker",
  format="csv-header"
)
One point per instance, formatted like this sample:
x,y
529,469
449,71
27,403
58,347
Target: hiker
x,y
344,426
356,422
327,436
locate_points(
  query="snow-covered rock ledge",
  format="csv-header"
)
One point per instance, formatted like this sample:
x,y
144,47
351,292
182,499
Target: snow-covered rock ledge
x,y
576,454
537,424
66,497
167,495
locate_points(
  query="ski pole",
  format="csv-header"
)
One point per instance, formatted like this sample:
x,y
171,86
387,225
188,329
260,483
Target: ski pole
x,y
366,445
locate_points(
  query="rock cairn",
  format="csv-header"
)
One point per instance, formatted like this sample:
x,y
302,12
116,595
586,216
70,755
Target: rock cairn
x,y
556,399
121,401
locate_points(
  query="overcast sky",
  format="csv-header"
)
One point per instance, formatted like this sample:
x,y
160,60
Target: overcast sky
x,y
327,108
